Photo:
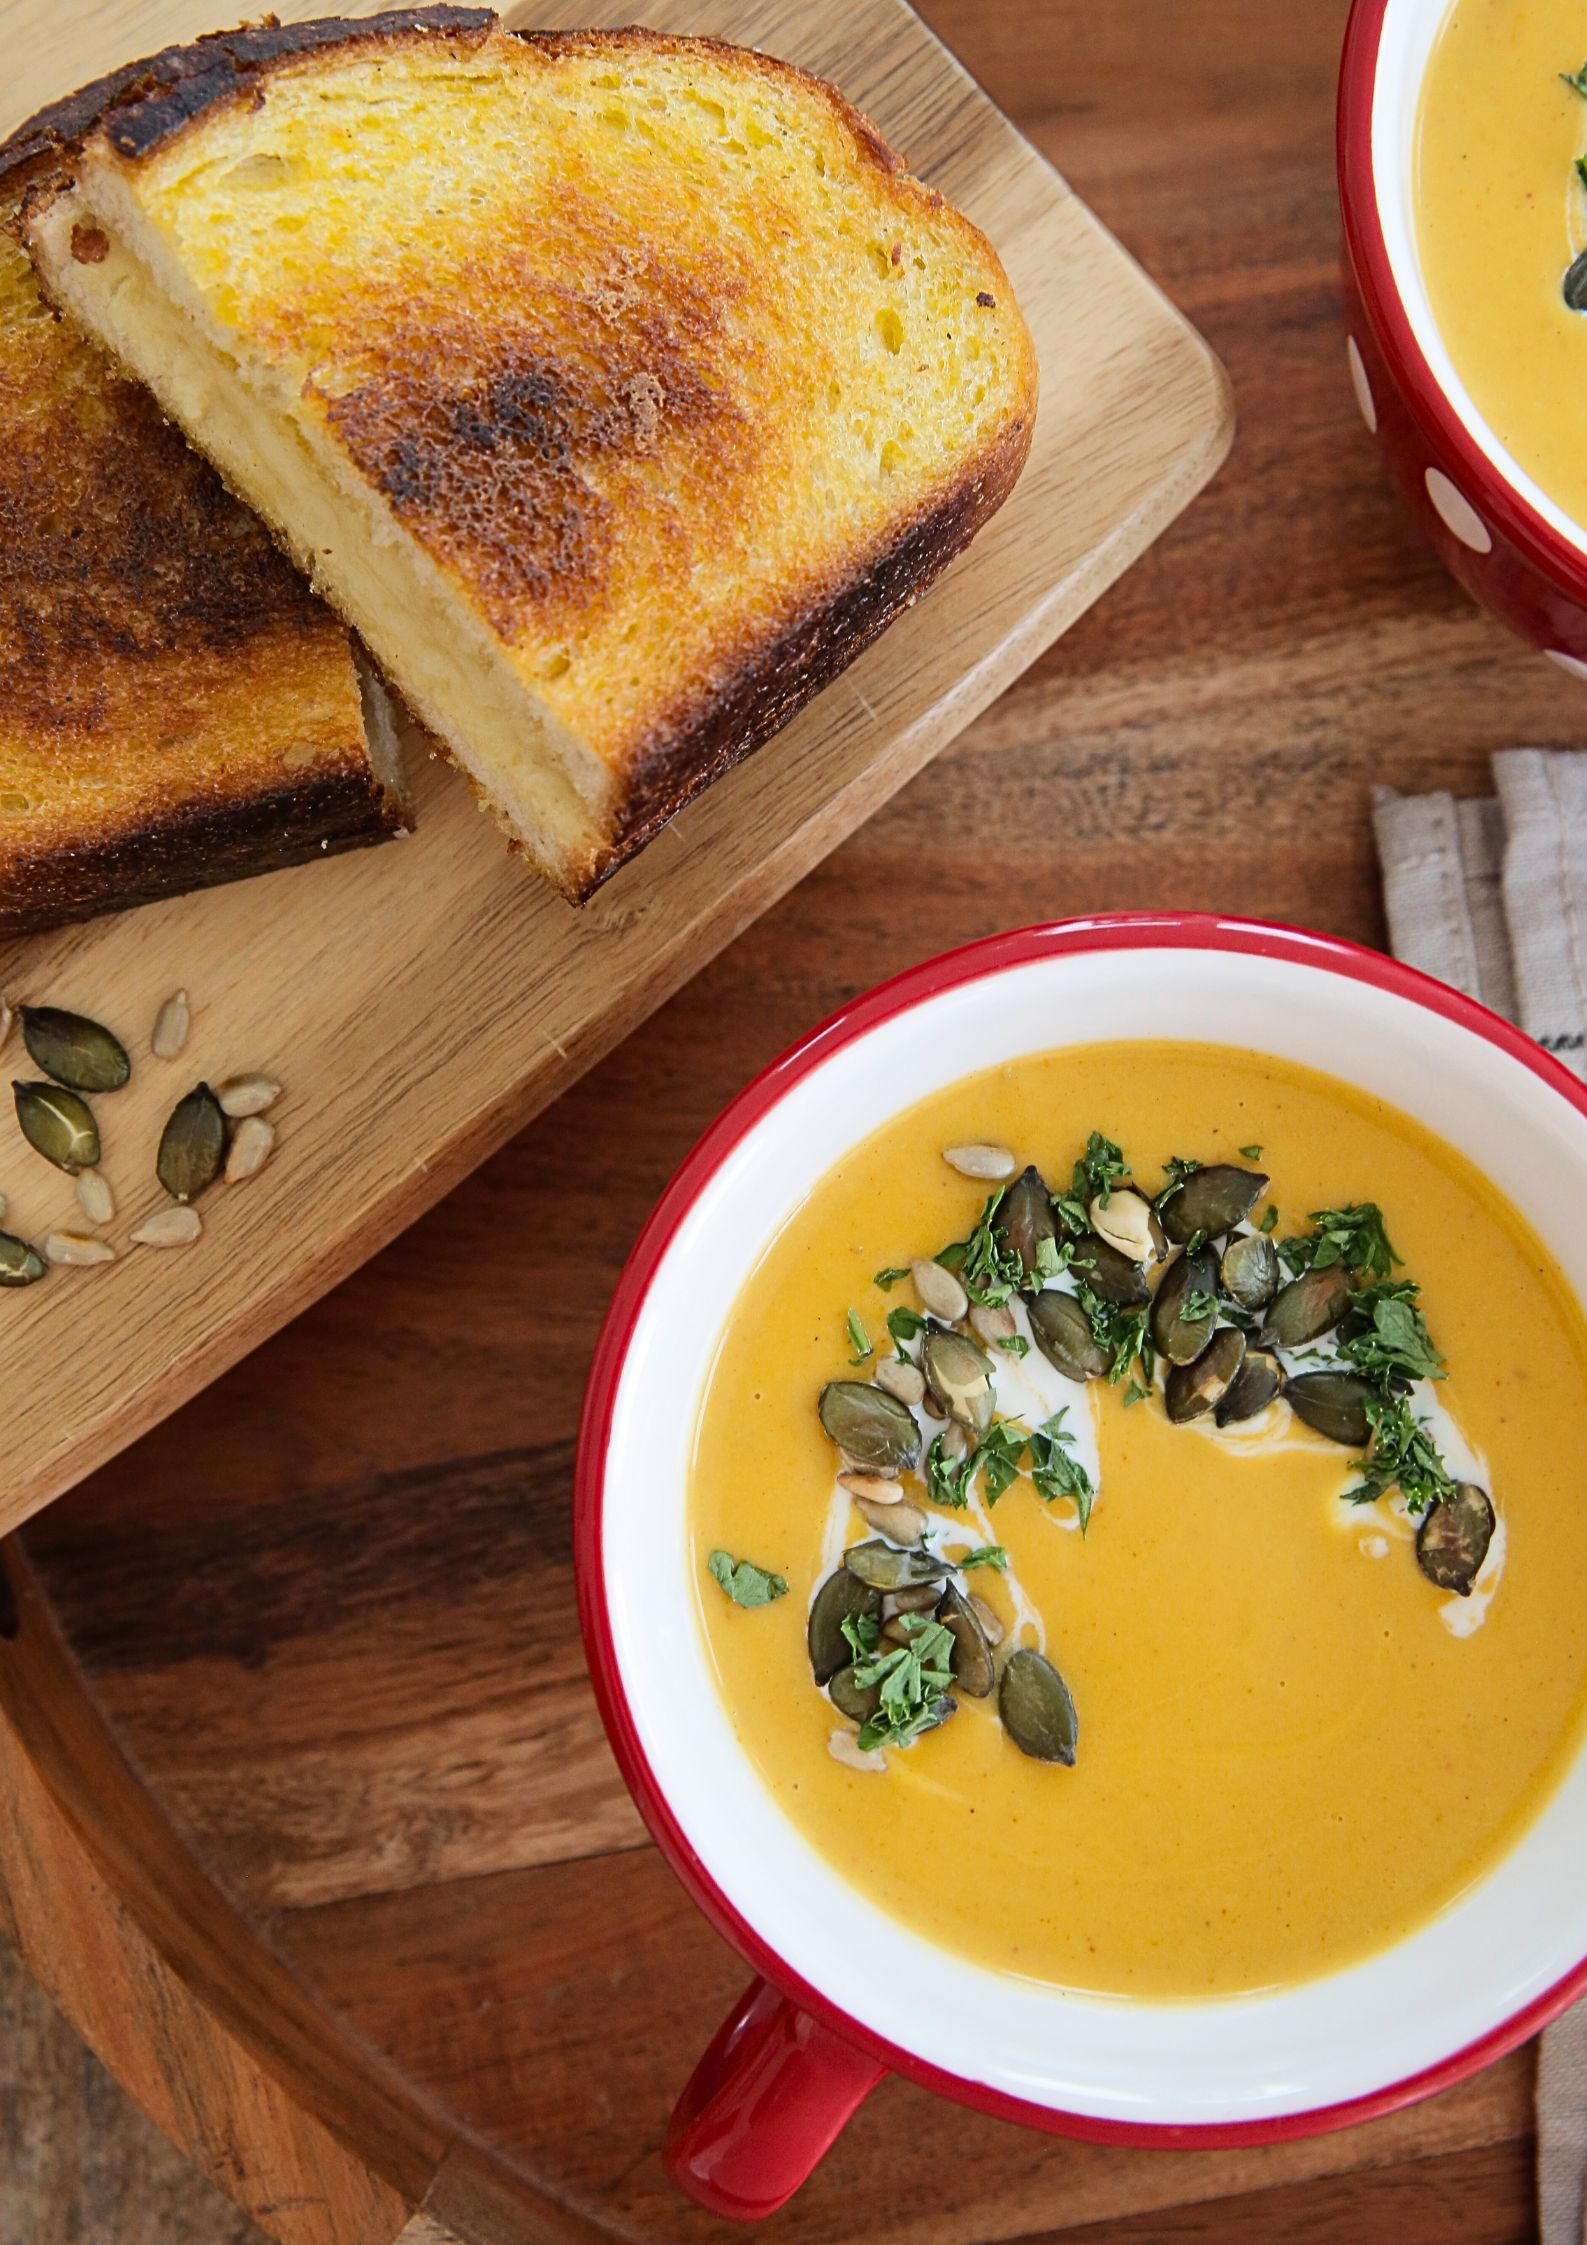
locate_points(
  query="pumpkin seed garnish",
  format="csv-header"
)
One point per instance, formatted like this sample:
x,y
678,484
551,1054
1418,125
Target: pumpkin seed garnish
x,y
1211,1201
842,1597
1334,1404
192,1145
171,1025
20,1264
1063,1334
1186,1307
1574,286
1028,1226
1250,1270
1193,1389
1114,1278
1308,1307
960,1377
58,1124
858,1701
1037,1711
1453,1539
880,1567
870,1426
1252,1389
973,1668
75,1051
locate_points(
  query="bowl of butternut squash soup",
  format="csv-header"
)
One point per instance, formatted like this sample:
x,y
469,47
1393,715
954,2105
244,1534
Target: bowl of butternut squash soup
x,y
1082,1541
1463,185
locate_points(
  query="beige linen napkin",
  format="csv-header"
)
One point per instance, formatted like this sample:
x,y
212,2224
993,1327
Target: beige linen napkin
x,y
1491,897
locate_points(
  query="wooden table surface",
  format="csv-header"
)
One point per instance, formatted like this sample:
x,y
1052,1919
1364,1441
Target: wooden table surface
x,y
311,1604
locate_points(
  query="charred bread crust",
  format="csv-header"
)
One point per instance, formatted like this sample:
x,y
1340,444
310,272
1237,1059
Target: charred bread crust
x,y
196,846
776,681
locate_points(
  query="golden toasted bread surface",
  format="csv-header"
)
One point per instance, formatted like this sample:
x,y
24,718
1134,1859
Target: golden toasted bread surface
x,y
643,357
178,709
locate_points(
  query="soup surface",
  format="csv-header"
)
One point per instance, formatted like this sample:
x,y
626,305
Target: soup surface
x,y
1292,1747
1501,213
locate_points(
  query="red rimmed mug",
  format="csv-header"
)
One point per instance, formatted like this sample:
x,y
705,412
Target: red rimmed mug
x,y
1514,550
846,1993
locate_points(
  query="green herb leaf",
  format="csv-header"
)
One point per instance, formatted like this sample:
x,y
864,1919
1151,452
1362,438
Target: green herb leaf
x,y
947,1484
1396,1347
1015,1346
863,1632
1119,1334
988,1272
1251,1153
889,1278
1354,1236
1099,1169
913,1680
985,1555
859,1339
1055,1472
745,1583
1581,169
904,1325
1049,1260
1135,1393
1175,1170
1198,1306
1268,1220
1576,83
1404,1457
998,1459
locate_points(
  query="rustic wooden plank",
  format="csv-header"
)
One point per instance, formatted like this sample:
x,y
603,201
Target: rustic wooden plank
x,y
420,1001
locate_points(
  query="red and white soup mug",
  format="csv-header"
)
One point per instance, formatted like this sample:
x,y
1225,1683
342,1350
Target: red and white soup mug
x,y
1497,532
845,1992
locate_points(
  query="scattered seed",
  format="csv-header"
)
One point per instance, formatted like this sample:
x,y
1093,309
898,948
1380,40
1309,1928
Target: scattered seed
x,y
993,1325
989,1163
5,1021
875,1488
94,1197
918,1600
959,1375
58,1125
20,1264
169,1227
956,1443
940,1292
192,1145
991,1627
250,1148
1129,1224
870,1427
1374,1547
905,1381
844,1747
77,1052
171,1025
247,1095
77,1247
902,1523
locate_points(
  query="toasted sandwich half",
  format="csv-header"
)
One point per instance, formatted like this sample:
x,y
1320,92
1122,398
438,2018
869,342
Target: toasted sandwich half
x,y
617,388
177,708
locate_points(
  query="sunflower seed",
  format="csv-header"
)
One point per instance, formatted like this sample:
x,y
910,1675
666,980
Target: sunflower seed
x,y
171,1025
76,1247
94,1197
845,1748
905,1382
58,1125
989,1163
192,1145
250,1148
169,1227
939,1291
900,1523
247,1095
875,1488
77,1052
993,1325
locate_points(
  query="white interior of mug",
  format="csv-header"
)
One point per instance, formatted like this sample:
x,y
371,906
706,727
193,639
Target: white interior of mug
x,y
1410,28
1506,1942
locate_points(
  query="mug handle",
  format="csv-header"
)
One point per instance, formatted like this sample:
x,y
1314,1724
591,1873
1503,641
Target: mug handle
x,y
763,2106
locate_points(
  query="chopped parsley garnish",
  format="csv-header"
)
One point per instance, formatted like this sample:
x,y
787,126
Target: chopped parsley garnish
x,y
1055,1472
1403,1456
1175,1170
904,1325
1014,1345
859,1339
985,1555
745,1583
913,1678
1268,1220
988,1271
1354,1236
1198,1306
1250,1153
1395,1346
997,1459
1135,1393
889,1278
1577,82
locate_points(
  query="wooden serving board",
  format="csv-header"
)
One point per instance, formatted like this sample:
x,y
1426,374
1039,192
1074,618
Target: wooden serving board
x,y
421,1000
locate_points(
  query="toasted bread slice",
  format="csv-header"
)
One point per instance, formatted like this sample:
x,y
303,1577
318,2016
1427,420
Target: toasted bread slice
x,y
618,388
178,708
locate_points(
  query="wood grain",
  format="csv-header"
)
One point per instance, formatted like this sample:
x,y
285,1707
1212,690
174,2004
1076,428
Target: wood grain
x,y
420,1001
325,1610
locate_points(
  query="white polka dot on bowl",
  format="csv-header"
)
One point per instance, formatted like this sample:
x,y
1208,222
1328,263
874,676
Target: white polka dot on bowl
x,y
1360,384
1457,513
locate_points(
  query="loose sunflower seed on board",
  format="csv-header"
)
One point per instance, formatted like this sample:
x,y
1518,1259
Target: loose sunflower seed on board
x,y
250,1148
94,1197
75,1051
169,1227
77,1248
247,1095
192,1145
171,1025
58,1124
